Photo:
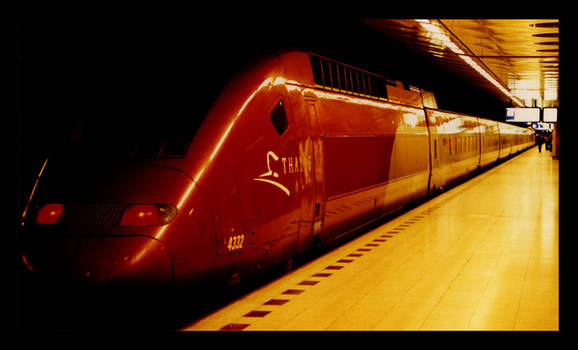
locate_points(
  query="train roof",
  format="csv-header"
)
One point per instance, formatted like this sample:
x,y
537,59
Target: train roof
x,y
330,74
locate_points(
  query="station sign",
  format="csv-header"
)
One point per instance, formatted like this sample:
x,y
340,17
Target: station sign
x,y
521,115
550,115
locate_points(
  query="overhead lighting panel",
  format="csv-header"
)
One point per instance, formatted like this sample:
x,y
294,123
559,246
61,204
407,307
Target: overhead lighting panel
x,y
438,34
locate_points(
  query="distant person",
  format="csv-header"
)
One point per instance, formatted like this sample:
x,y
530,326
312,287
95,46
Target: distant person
x,y
539,141
549,143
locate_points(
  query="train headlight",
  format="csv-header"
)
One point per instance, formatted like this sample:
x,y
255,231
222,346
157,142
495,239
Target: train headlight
x,y
49,213
148,214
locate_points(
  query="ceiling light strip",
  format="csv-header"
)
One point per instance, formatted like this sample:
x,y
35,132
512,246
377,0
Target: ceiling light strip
x,y
438,33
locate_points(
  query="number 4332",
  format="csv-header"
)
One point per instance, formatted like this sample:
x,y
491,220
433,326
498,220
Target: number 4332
x,y
235,242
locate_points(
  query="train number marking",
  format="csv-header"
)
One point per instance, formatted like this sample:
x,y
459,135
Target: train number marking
x,y
235,242
272,173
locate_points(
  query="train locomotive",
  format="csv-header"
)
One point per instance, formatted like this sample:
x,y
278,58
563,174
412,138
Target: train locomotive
x,y
297,151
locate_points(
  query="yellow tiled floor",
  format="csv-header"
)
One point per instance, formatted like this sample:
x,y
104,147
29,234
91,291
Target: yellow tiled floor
x,y
482,256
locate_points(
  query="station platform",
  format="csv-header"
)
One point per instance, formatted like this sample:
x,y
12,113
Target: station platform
x,y
481,256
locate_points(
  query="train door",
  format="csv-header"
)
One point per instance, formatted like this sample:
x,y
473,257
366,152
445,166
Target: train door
x,y
435,150
269,173
477,141
310,234
317,170
434,160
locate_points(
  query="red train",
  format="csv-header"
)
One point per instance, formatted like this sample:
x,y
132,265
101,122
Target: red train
x,y
297,150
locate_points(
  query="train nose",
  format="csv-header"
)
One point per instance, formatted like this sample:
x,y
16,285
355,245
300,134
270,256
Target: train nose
x,y
126,261
107,227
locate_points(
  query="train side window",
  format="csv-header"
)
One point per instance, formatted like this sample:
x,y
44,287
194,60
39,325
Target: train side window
x,y
348,78
360,83
334,76
378,87
326,73
367,82
342,80
354,82
317,69
279,118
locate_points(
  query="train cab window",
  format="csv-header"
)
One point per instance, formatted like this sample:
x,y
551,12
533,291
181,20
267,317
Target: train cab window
x,y
279,118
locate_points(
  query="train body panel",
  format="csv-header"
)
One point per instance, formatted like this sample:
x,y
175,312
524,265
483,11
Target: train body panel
x,y
505,141
251,173
513,139
489,142
455,150
356,188
296,150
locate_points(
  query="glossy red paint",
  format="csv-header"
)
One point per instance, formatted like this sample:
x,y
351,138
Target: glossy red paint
x,y
251,192
148,214
130,261
49,213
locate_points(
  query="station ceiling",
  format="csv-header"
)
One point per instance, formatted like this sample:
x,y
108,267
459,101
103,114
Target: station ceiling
x,y
516,60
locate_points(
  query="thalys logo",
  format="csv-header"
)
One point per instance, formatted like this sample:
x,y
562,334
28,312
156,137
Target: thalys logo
x,y
290,165
266,177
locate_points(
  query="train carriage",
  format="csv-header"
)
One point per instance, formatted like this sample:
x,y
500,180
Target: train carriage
x,y
489,142
455,152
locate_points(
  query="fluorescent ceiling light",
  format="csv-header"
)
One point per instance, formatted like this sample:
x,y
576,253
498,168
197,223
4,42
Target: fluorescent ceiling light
x,y
437,33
